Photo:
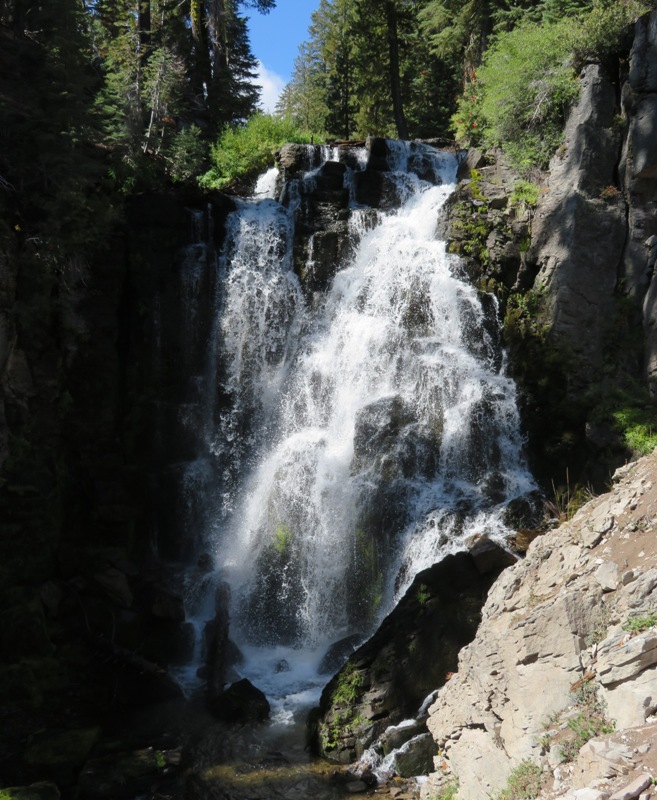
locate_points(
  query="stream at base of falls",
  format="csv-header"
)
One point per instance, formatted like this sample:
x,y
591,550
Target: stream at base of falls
x,y
353,434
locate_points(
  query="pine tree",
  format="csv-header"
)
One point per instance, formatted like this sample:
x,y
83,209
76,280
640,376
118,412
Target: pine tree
x,y
332,30
233,95
303,99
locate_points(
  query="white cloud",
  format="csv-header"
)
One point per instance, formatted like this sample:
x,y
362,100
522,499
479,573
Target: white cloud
x,y
272,86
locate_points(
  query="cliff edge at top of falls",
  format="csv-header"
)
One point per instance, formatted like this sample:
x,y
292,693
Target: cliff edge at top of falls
x,y
561,679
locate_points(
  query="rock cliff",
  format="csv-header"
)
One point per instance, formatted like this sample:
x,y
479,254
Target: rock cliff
x,y
566,652
570,256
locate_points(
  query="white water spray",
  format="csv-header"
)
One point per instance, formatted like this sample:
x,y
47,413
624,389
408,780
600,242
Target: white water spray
x,y
371,440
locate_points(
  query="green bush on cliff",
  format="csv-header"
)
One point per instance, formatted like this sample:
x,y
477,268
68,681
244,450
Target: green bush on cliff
x,y
524,783
249,149
638,427
526,84
606,30
521,94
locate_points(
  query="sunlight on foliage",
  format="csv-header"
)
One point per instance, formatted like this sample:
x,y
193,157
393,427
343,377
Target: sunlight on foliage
x,y
607,29
524,783
638,427
528,85
249,149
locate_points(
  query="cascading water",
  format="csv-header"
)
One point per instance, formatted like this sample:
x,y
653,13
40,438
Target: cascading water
x,y
362,442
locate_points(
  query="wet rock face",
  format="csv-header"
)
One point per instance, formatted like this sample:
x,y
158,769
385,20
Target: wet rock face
x,y
240,703
321,241
414,650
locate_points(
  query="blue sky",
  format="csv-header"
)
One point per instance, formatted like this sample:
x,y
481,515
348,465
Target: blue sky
x,y
275,40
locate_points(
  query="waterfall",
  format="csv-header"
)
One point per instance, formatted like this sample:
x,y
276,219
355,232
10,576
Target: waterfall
x,y
361,436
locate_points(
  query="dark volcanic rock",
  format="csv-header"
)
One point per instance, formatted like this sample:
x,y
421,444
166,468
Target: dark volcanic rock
x,y
412,653
338,653
216,644
241,702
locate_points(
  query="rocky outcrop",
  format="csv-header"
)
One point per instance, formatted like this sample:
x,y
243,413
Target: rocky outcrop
x,y
577,236
639,171
414,650
571,261
593,238
488,226
567,644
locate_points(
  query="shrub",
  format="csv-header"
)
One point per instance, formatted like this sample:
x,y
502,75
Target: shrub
x,y
525,193
590,721
524,782
528,83
449,791
638,427
605,30
466,122
640,623
187,156
609,193
248,149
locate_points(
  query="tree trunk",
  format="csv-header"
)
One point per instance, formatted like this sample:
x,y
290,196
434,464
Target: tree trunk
x,y
201,72
395,82
144,27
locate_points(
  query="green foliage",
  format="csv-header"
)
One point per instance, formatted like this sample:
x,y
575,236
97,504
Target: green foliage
x,y
466,121
640,623
448,791
567,500
471,227
605,31
524,783
248,149
342,720
303,99
525,193
187,155
590,721
638,427
422,594
282,539
527,84
367,69
554,10
349,682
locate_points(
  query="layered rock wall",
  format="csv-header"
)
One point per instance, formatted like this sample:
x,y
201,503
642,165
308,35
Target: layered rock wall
x,y
558,621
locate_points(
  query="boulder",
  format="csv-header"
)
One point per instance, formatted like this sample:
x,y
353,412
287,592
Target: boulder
x,y
414,650
416,756
59,755
377,153
376,189
114,584
126,774
294,159
242,702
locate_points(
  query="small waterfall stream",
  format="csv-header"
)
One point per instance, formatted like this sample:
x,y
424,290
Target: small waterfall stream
x,y
359,436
